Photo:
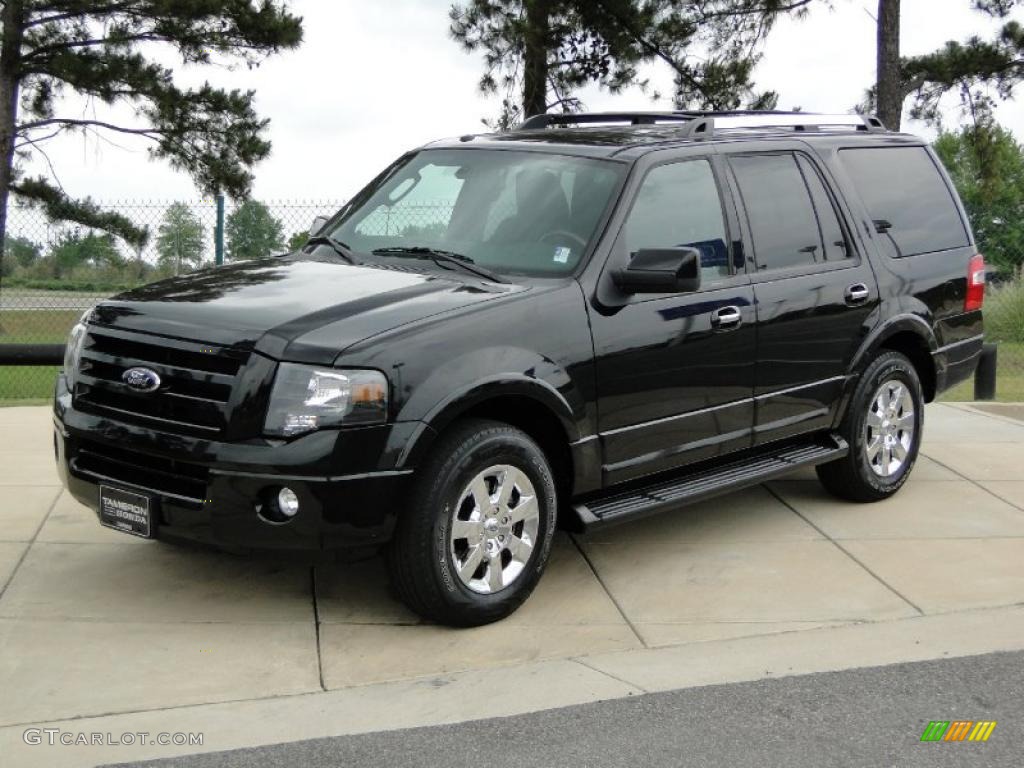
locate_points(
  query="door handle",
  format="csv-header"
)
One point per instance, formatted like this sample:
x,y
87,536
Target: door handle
x,y
857,293
726,318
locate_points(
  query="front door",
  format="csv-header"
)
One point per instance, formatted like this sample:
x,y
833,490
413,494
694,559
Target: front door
x,y
675,372
815,292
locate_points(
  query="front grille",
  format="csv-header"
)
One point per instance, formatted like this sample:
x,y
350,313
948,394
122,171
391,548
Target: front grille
x,y
171,478
195,381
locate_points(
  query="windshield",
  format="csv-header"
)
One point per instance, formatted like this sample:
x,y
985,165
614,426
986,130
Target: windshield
x,y
528,213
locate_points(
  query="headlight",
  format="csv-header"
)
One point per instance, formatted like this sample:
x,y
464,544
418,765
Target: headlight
x,y
73,351
305,398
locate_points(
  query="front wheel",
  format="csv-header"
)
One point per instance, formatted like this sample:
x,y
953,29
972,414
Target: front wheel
x,y
478,531
883,427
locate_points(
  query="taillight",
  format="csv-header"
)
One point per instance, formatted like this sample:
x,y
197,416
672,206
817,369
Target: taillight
x,y
975,284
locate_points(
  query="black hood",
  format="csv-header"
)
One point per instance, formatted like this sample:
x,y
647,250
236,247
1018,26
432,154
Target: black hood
x,y
268,305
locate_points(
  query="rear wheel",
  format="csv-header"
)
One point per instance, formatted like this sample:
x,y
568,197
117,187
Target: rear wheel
x,y
883,427
478,531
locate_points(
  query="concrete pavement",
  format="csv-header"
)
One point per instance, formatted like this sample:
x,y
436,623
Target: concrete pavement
x,y
100,631
867,717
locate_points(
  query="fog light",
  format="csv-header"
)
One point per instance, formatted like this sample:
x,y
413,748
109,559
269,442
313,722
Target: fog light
x,y
287,502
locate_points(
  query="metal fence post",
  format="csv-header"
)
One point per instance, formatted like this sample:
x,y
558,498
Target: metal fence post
x,y
218,234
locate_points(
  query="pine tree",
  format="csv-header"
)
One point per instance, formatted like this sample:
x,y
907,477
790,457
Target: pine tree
x,y
104,50
889,93
538,53
979,71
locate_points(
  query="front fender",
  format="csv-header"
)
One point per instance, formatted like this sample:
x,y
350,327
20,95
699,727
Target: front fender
x,y
444,395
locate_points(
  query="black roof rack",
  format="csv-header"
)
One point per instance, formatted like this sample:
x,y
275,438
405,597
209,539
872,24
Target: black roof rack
x,y
702,125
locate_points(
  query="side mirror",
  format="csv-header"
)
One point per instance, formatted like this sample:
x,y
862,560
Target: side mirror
x,y
317,225
660,270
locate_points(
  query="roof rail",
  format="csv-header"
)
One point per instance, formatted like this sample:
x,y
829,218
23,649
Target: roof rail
x,y
580,118
799,121
702,125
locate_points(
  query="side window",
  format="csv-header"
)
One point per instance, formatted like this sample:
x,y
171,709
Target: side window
x,y
678,206
907,198
779,209
835,245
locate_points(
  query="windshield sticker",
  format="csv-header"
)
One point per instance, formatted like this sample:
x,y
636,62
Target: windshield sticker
x,y
562,254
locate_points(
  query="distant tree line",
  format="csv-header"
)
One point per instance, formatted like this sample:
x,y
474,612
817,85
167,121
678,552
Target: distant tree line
x,y
182,244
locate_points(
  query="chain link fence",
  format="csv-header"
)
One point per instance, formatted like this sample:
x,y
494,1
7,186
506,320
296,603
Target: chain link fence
x,y
53,272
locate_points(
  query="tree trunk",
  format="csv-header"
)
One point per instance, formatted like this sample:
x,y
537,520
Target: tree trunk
x,y
535,58
889,93
12,18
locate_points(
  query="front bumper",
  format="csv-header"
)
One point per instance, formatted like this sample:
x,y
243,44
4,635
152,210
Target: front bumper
x,y
349,482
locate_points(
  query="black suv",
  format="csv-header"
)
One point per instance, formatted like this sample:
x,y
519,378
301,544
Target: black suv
x,y
579,322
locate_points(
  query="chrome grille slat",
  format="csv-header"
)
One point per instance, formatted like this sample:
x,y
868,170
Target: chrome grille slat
x,y
195,387
205,377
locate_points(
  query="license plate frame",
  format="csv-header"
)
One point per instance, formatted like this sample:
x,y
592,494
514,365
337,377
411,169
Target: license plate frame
x,y
126,511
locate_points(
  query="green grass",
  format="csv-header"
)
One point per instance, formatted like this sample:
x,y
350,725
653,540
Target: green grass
x,y
44,326
1009,378
1004,312
28,385
32,385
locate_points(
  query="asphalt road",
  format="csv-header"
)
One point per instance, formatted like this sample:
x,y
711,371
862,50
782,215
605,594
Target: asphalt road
x,y
868,717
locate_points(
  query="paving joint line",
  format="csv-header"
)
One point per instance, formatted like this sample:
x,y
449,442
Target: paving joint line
x,y
629,683
316,627
170,708
593,570
847,552
31,541
966,408
974,482
285,696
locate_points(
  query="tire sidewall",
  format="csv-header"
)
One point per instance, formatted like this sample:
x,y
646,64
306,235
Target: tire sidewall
x,y
891,366
509,448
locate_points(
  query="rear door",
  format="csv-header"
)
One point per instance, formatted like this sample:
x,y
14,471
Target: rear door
x,y
815,291
674,372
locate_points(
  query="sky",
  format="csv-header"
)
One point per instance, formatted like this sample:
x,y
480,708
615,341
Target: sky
x,y
373,79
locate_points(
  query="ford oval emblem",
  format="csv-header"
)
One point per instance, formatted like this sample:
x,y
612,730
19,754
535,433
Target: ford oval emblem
x,y
141,379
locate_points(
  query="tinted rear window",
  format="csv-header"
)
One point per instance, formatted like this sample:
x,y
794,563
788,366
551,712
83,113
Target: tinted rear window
x,y
902,186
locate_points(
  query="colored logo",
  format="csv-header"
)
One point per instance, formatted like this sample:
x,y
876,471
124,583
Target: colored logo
x,y
958,730
141,379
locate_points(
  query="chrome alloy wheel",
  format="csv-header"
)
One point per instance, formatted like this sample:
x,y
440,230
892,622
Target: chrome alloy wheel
x,y
494,529
889,428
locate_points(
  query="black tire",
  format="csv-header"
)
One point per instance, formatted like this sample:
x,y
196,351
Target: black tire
x,y
423,571
852,477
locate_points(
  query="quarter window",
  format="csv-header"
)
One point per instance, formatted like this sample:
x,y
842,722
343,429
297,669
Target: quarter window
x,y
678,207
907,198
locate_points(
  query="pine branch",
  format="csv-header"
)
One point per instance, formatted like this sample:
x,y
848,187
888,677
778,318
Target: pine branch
x,y
60,207
73,122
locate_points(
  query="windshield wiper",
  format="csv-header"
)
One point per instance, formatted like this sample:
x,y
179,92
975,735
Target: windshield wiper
x,y
438,257
339,247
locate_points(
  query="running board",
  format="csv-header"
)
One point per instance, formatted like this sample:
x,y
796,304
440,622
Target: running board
x,y
697,486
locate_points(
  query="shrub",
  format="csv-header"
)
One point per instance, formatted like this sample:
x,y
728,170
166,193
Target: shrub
x,y
1004,312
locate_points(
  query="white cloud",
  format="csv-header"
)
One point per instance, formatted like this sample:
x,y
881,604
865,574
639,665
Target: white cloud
x,y
375,79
